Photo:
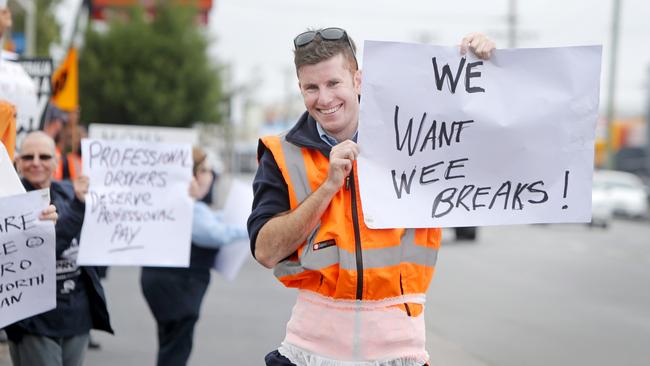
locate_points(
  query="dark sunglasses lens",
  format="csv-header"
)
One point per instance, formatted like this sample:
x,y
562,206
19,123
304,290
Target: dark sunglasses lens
x,y
304,38
30,157
332,34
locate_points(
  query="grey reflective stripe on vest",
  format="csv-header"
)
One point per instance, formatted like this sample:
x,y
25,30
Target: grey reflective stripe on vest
x,y
297,171
407,251
296,167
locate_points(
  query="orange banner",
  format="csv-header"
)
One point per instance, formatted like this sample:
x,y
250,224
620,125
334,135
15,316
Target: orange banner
x,y
65,83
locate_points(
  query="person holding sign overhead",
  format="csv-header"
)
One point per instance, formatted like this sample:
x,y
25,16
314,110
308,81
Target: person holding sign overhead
x,y
361,291
59,336
174,295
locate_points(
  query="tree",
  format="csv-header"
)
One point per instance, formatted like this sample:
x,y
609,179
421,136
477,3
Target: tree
x,y
150,72
47,28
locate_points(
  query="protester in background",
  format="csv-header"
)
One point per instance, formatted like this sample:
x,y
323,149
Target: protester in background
x,y
174,295
54,124
362,291
60,336
70,165
55,121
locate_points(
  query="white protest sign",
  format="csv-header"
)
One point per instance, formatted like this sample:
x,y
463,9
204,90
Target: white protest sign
x,y
104,131
27,258
236,211
19,89
138,209
10,183
40,69
448,140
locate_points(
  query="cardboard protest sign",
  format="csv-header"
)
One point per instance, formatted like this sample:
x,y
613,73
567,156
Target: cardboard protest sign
x,y
450,140
17,88
27,258
138,209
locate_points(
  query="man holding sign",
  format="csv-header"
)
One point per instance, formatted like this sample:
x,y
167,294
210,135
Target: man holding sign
x,y
60,334
361,290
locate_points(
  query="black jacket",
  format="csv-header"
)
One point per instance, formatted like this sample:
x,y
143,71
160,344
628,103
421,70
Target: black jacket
x,y
79,310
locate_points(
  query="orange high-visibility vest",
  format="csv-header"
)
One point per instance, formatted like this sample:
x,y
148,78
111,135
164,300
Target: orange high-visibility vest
x,y
68,167
343,258
362,290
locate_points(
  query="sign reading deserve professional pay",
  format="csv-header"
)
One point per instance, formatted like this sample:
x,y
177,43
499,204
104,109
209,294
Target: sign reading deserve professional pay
x,y
138,209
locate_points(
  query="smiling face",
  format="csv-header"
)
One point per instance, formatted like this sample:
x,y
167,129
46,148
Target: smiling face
x,y
37,159
330,92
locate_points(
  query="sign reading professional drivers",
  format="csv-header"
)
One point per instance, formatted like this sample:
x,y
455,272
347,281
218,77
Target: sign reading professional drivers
x,y
27,274
138,209
450,140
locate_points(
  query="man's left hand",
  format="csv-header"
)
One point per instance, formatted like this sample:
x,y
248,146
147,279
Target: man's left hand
x,y
478,43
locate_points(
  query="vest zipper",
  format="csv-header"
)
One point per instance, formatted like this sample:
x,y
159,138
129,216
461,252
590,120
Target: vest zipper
x,y
357,236
401,288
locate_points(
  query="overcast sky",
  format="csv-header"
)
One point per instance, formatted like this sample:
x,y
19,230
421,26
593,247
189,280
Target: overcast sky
x,y
255,36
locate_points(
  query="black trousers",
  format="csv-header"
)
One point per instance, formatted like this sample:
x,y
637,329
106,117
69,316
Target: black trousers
x,y
174,296
274,358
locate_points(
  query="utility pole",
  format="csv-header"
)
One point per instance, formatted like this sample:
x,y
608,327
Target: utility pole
x,y
29,6
512,23
647,129
611,93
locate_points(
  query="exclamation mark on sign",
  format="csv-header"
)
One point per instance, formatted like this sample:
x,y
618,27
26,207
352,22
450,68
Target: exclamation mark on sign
x,y
566,186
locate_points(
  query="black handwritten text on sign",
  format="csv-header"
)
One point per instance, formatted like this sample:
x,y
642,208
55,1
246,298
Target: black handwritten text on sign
x,y
452,81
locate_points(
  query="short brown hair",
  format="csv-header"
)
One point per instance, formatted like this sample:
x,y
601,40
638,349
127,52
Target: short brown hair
x,y
320,50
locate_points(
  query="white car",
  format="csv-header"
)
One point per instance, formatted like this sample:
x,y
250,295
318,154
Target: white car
x,y
619,193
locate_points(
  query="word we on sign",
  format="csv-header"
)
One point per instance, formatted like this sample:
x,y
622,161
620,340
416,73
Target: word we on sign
x,y
449,140
138,210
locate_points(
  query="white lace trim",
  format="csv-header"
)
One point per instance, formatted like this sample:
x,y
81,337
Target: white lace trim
x,y
358,305
301,357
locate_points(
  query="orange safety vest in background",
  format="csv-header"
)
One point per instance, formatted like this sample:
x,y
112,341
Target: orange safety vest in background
x,y
349,267
68,167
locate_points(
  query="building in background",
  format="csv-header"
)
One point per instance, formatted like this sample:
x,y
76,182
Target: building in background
x,y
103,9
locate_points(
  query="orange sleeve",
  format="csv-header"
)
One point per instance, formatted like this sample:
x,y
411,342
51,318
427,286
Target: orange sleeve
x,y
8,127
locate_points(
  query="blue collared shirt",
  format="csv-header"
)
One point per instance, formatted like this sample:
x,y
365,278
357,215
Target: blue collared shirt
x,y
331,141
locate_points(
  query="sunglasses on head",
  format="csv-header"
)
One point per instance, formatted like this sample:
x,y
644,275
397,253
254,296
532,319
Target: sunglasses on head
x,y
31,157
327,34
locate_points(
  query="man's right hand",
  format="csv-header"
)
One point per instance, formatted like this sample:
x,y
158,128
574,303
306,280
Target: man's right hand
x,y
342,157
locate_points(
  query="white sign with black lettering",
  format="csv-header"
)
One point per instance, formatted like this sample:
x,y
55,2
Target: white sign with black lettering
x,y
138,208
27,257
450,140
10,183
